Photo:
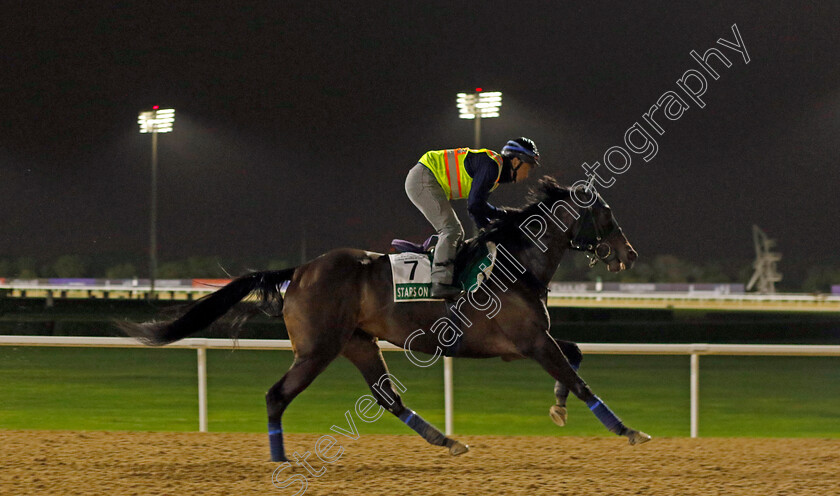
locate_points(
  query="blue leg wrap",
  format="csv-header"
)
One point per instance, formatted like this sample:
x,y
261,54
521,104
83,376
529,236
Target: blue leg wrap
x,y
275,442
420,426
605,415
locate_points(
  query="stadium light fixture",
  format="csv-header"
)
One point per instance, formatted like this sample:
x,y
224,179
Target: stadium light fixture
x,y
477,106
154,121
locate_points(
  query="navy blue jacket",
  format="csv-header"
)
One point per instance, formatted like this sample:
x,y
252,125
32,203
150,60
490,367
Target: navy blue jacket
x,y
484,171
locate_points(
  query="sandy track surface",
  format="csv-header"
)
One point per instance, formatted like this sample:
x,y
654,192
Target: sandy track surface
x,y
123,463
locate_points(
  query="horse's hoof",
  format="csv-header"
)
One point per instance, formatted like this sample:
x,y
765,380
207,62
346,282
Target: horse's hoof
x,y
458,448
637,437
558,414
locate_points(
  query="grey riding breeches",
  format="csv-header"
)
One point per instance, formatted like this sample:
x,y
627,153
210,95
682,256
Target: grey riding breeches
x,y
428,196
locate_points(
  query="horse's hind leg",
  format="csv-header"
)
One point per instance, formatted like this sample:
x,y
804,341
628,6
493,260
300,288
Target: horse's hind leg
x,y
558,412
547,353
306,367
363,351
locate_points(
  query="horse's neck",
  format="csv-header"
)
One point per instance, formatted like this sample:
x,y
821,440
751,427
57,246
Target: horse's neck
x,y
541,264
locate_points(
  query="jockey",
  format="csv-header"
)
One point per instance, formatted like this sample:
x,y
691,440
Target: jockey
x,y
444,175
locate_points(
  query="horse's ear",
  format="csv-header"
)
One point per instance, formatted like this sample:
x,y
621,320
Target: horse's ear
x,y
583,195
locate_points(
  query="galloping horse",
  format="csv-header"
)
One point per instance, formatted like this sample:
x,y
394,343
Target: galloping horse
x,y
343,301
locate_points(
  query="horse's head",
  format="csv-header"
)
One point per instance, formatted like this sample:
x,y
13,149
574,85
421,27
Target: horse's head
x,y
592,228
600,236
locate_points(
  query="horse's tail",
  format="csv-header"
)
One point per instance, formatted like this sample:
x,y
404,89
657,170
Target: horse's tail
x,y
210,308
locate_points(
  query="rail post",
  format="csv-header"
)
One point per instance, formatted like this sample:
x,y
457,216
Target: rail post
x,y
202,389
695,393
447,394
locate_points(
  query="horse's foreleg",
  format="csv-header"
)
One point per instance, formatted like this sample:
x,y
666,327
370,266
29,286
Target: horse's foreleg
x,y
363,351
547,353
558,411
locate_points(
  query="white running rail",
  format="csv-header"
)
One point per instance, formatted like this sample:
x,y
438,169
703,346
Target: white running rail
x,y
202,345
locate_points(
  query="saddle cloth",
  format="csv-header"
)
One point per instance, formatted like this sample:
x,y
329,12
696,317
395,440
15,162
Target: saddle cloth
x,y
412,273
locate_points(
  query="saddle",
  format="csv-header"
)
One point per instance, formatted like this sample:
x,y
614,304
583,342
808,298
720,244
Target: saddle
x,y
473,262
403,246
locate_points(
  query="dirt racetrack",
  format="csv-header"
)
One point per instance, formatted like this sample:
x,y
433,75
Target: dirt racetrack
x,y
123,463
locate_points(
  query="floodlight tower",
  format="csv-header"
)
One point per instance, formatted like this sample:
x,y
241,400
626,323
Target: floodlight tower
x,y
765,273
479,105
154,121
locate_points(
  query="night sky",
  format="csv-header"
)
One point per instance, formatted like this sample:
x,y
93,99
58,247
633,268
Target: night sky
x,y
296,116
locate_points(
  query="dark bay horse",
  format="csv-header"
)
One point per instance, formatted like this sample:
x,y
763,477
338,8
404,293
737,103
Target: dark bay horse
x,y
343,301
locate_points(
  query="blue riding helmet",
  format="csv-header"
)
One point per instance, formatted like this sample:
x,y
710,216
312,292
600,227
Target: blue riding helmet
x,y
522,148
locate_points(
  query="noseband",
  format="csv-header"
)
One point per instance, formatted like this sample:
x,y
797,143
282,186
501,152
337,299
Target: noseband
x,y
594,244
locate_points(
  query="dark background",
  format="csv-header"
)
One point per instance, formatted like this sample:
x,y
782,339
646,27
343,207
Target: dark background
x,y
296,116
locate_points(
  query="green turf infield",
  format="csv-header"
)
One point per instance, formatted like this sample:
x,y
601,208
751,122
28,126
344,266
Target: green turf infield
x,y
155,390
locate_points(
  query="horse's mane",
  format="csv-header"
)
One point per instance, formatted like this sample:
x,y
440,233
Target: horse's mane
x,y
506,230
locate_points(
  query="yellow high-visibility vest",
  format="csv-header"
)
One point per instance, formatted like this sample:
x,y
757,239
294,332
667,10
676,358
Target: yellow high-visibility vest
x,y
448,168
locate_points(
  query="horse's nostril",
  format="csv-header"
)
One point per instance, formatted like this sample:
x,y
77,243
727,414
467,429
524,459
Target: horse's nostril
x,y
632,255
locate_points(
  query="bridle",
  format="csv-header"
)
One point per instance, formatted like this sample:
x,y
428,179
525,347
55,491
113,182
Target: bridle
x,y
594,244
